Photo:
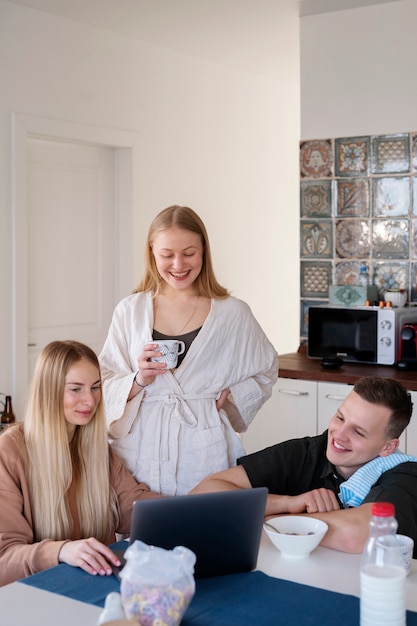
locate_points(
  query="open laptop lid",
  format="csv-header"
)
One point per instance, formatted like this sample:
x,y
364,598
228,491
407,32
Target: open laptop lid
x,y
223,528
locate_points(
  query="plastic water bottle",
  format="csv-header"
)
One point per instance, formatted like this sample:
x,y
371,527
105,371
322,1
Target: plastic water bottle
x,y
382,600
363,275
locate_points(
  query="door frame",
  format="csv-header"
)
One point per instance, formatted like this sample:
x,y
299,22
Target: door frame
x,y
25,127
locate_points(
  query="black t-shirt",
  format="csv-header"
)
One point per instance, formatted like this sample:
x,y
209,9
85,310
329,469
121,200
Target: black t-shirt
x,y
293,467
299,465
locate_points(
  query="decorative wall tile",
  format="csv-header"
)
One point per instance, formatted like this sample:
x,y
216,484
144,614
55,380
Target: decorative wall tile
x,y
352,198
352,156
391,153
316,239
414,184
352,238
390,239
414,151
347,295
391,196
315,279
304,314
389,275
358,205
316,159
413,243
347,273
413,276
316,198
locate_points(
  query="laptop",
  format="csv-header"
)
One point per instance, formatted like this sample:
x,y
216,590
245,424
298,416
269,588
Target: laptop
x,y
223,528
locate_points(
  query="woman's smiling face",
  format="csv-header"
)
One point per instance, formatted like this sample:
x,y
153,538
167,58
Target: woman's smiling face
x,y
82,394
178,256
357,434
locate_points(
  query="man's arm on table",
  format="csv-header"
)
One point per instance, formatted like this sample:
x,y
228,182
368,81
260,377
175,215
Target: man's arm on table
x,y
348,528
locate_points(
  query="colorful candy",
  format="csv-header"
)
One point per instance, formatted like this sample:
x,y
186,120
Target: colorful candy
x,y
157,606
157,585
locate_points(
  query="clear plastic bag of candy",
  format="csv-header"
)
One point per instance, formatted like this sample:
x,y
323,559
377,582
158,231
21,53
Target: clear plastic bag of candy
x,y
157,584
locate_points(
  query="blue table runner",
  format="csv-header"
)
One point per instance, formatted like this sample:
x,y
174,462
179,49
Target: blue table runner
x,y
247,599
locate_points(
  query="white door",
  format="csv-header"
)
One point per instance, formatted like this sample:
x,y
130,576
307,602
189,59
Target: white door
x,y
71,247
72,207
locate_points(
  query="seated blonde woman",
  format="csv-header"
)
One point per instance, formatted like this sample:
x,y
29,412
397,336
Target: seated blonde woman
x,y
64,493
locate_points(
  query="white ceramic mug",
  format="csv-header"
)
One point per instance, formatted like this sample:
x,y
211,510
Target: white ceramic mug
x,y
407,547
170,350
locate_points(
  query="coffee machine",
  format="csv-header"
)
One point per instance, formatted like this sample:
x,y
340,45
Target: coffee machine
x,y
407,348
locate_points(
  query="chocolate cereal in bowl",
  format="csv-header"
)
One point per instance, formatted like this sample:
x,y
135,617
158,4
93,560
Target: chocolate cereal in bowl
x,y
295,535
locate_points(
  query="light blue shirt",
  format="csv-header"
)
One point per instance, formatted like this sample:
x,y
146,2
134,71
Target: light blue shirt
x,y
354,490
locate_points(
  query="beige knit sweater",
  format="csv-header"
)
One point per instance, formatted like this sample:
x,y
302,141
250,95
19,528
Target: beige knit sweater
x,y
19,555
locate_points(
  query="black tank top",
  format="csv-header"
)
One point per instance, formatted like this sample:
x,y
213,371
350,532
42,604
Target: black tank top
x,y
188,339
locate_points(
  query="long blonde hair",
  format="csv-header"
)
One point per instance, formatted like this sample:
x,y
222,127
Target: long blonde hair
x,y
185,218
54,462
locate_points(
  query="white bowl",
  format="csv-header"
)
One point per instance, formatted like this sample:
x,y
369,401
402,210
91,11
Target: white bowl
x,y
397,297
295,536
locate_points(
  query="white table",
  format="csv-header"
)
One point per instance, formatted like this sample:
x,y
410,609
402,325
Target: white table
x,y
326,569
21,605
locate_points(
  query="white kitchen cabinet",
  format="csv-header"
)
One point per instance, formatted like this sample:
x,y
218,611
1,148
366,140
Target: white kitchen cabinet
x,y
291,412
329,397
411,432
297,405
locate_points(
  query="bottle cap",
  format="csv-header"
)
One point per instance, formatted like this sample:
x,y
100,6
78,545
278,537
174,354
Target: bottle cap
x,y
383,509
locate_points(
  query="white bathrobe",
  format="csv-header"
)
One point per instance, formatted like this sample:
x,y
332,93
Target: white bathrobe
x,y
171,434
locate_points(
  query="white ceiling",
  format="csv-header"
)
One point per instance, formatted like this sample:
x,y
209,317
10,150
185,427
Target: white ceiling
x,y
312,7
250,34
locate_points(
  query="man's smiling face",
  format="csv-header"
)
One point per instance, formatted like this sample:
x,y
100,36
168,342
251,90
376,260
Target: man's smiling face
x,y
357,434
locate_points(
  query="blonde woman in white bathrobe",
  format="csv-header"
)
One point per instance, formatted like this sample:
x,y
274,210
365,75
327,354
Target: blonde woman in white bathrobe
x,y
174,427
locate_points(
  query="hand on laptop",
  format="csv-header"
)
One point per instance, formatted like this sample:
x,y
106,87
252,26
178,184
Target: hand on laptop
x,y
90,555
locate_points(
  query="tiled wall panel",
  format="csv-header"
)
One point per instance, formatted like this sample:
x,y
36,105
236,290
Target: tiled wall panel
x,y
358,204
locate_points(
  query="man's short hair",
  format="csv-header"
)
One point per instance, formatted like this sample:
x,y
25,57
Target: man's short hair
x,y
390,393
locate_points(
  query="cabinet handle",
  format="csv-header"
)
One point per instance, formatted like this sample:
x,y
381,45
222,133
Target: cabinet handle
x,y
329,396
292,392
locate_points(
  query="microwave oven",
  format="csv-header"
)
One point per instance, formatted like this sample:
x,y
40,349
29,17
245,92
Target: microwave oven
x,y
362,334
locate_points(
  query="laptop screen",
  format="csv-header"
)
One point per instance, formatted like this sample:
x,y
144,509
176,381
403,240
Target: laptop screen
x,y
223,529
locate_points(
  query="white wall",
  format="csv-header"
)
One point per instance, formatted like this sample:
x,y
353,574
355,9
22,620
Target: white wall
x,y
221,140
358,71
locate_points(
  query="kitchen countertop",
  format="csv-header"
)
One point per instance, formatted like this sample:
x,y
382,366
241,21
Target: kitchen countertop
x,y
299,366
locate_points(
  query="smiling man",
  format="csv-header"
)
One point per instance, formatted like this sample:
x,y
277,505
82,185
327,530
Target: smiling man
x,y
337,475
